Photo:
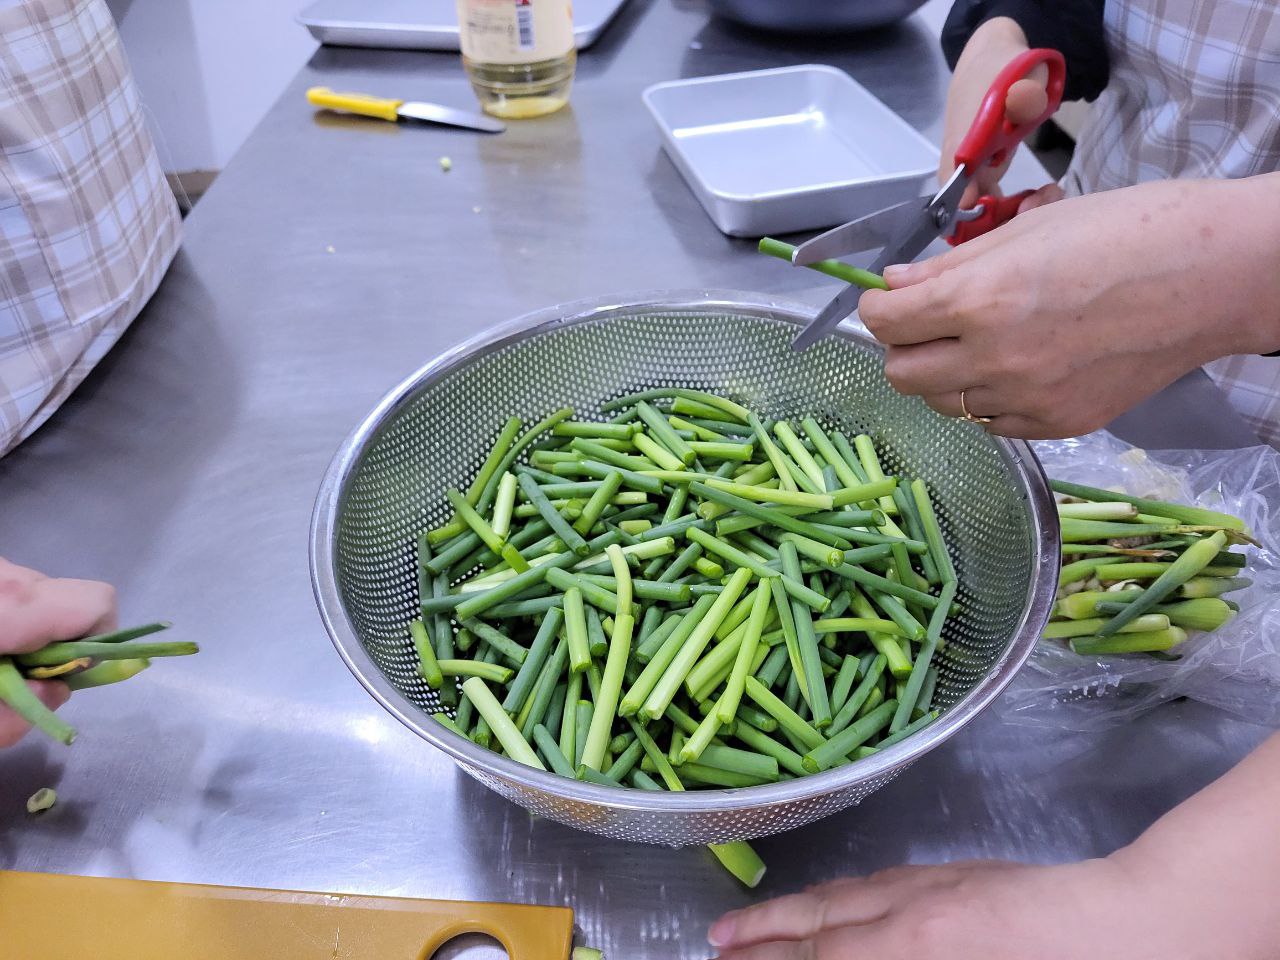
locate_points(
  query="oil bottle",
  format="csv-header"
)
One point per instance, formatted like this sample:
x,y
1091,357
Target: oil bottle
x,y
518,54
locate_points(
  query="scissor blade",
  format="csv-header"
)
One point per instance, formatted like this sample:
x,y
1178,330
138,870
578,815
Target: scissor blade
x,y
909,243
844,304
914,234
871,232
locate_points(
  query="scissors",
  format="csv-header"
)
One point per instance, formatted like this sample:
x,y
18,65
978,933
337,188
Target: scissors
x,y
903,231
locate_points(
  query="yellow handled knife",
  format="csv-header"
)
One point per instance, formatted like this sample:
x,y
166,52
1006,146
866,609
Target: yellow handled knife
x,y
393,110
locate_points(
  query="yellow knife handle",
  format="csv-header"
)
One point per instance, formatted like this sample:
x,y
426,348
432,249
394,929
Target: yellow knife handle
x,y
360,103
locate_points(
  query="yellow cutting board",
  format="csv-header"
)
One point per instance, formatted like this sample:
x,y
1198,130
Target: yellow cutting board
x,y
51,917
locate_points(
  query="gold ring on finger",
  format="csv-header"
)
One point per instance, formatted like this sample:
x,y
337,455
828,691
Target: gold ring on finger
x,y
969,416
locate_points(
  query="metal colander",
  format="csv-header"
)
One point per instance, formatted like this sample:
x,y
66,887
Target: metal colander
x,y
387,482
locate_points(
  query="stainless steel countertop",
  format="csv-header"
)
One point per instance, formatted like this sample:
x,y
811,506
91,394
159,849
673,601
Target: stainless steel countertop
x,y
329,260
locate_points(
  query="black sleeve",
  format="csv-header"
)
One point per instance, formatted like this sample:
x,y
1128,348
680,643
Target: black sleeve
x,y
1073,27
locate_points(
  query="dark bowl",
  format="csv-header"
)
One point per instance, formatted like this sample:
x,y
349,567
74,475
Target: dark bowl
x,y
812,16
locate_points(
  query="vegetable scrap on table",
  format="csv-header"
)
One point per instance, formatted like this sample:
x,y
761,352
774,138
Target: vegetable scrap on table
x,y
42,800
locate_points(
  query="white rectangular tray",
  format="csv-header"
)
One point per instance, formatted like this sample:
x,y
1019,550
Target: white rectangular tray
x,y
423,24
787,149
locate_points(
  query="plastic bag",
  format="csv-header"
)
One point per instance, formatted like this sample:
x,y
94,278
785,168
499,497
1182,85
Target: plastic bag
x,y
1236,667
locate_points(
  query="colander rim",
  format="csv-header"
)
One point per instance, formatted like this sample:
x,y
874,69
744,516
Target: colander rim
x,y
1017,454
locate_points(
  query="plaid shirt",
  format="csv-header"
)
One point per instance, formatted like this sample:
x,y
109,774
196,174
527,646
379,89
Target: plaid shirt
x,y
1194,91
87,223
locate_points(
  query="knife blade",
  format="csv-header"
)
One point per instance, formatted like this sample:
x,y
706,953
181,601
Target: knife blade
x,y
384,108
436,113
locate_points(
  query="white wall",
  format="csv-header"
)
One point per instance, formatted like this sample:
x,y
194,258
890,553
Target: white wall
x,y
209,69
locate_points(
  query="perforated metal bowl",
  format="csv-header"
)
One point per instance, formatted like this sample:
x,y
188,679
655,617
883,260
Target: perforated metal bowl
x,y
386,484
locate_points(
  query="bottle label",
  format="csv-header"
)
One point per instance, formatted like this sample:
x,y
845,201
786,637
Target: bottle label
x,y
515,31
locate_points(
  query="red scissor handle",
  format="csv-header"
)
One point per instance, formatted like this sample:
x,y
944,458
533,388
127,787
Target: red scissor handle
x,y
995,211
992,136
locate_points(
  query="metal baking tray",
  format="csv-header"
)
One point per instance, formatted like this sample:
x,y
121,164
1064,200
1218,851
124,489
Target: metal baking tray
x,y
787,149
423,24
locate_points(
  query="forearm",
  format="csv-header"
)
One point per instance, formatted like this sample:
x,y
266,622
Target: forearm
x,y
999,40
1074,27
1197,265
1218,854
993,45
1240,233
